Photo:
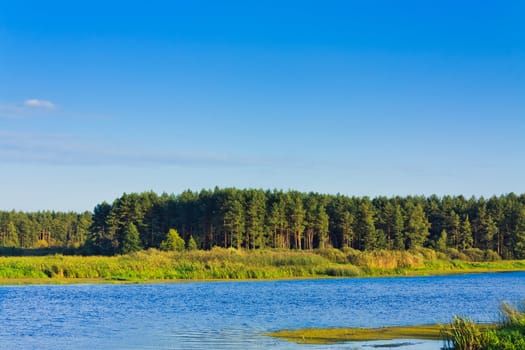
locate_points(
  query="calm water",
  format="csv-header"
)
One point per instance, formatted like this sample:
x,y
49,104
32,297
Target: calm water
x,y
232,315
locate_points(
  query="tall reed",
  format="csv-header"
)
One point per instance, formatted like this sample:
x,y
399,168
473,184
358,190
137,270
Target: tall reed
x,y
509,334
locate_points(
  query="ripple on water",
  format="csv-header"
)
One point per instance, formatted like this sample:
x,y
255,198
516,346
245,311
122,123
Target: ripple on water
x,y
233,315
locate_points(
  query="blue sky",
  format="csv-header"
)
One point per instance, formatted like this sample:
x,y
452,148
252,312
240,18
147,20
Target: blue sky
x,y
358,97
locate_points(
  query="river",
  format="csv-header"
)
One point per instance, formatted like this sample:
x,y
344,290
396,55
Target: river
x,y
234,315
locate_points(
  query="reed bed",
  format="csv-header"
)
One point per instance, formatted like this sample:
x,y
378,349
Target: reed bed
x,y
220,263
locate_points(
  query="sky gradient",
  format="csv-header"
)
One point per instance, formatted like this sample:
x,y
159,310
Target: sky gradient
x,y
355,97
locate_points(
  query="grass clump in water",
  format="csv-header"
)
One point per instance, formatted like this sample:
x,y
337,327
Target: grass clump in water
x,y
509,334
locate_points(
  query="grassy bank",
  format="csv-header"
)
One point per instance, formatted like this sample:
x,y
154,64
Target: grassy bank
x,y
153,265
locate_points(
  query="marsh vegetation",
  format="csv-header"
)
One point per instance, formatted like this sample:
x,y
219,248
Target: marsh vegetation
x,y
508,334
220,263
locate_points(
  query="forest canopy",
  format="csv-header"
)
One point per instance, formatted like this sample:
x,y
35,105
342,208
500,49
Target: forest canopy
x,y
258,219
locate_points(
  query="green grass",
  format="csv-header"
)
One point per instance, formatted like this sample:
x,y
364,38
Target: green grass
x,y
224,264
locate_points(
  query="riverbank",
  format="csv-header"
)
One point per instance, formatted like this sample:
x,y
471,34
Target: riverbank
x,y
232,264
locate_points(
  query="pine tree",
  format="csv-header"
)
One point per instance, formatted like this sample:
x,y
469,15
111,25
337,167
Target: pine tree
x,y
441,243
310,222
398,226
365,226
255,214
453,223
322,225
234,223
296,218
12,235
279,224
519,234
492,232
380,238
486,230
130,239
418,226
465,234
347,228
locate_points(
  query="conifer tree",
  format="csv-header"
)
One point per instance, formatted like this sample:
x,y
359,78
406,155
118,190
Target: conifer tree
x,y
453,224
347,228
255,214
322,226
441,243
12,235
234,220
296,217
465,234
519,234
398,226
130,239
279,224
418,226
365,226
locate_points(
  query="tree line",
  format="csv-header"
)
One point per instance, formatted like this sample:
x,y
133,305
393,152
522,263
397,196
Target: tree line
x,y
44,229
256,219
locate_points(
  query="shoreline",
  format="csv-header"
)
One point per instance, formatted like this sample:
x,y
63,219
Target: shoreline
x,y
153,266
57,281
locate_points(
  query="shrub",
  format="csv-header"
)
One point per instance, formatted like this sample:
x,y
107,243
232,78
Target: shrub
x,y
491,255
474,254
426,253
173,241
332,254
192,245
385,259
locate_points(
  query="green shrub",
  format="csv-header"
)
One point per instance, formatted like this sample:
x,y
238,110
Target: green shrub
x,y
173,241
491,255
474,254
456,254
192,244
334,255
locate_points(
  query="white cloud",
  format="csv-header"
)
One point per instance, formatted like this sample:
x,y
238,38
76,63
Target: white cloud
x,y
39,103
